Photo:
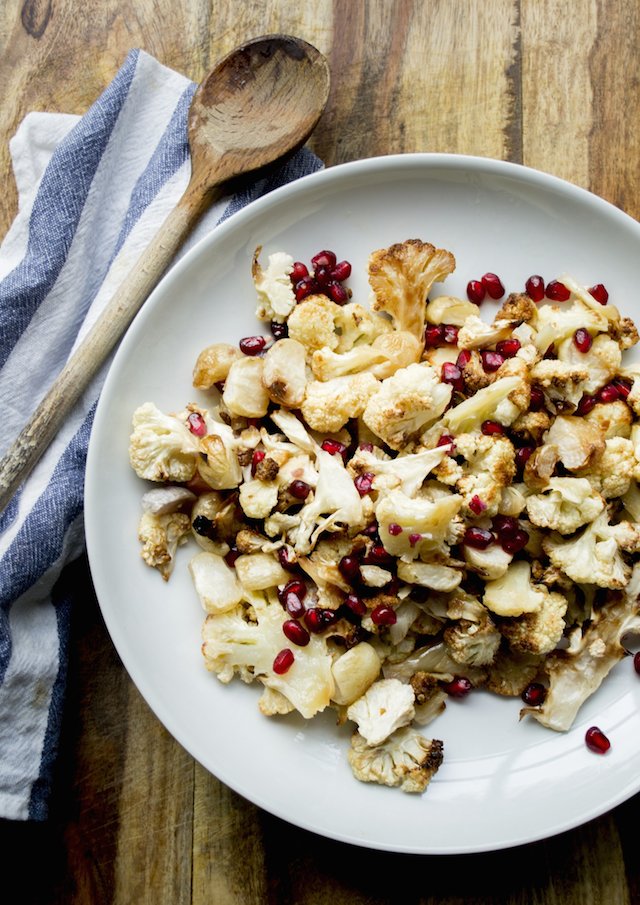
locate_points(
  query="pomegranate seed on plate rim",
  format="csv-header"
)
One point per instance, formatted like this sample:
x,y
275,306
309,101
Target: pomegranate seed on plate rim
x,y
324,258
342,271
476,291
459,687
493,284
596,740
252,345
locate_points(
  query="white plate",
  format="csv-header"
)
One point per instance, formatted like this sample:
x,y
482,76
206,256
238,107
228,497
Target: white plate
x,y
503,782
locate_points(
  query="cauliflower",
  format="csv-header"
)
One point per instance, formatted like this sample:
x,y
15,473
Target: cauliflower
x,y
401,278
556,324
220,467
276,298
215,583
611,419
601,362
577,442
518,308
576,673
473,642
356,326
354,672
431,699
160,536
328,405
490,563
565,505
446,309
258,571
407,472
611,474
406,404
424,523
284,372
213,364
538,632
247,640
489,467
406,759
513,593
161,447
429,575
476,333
313,323
163,500
387,705
563,381
511,672
590,557
244,391
327,364
467,416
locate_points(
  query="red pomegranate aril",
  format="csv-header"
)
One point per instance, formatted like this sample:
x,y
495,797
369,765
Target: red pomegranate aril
x,y
324,258
414,539
299,272
364,483
304,287
463,359
586,404
534,287
476,505
366,447
452,374
582,339
279,331
337,293
433,336
491,428
334,447
252,345
394,529
516,543
459,687
493,284
355,605
478,538
231,556
523,454
283,661
596,740
623,386
377,556
475,291
197,424
557,291
505,526
508,347
256,458
534,694
293,605
450,334
537,399
491,361
299,489
286,558
636,662
599,293
446,440
322,276
296,633
384,615
342,271
608,393
349,567
317,620
295,587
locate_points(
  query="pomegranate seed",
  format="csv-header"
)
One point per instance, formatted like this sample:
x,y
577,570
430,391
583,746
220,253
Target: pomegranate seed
x,y
304,288
256,458
508,347
490,428
537,399
623,386
317,620
478,538
463,358
324,259
299,489
452,374
322,276
523,455
493,284
433,336
582,339
384,615
516,543
372,532
295,586
296,633
252,345
446,440
349,568
355,605
414,539
459,687
197,424
286,558
557,291
636,662
535,287
596,740
608,393
367,447
231,556
476,505
550,353
475,291
450,334
299,272
505,526
279,331
377,556
293,605
283,661
342,271
334,447
364,483
337,293
491,361
599,293
586,404
394,529
534,694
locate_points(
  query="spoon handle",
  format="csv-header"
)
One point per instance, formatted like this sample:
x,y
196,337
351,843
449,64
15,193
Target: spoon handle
x,y
25,452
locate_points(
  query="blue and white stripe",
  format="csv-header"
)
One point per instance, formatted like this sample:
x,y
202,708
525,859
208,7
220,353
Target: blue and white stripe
x,y
93,191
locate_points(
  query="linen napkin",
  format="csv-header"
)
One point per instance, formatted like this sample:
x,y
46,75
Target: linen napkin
x,y
92,192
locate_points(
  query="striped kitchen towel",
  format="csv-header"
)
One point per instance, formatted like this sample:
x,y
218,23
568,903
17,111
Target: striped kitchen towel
x,y
92,192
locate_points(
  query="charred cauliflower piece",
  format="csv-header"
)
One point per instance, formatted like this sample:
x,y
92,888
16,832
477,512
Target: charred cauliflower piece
x,y
539,632
387,705
160,536
276,299
401,278
592,556
161,447
565,505
406,759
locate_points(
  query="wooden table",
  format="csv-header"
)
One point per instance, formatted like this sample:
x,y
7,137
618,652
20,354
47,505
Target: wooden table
x,y
549,83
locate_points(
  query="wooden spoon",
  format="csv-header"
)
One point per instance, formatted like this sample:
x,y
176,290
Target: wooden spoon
x,y
258,104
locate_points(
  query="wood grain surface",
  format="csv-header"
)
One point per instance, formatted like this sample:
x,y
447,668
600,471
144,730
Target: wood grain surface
x,y
554,84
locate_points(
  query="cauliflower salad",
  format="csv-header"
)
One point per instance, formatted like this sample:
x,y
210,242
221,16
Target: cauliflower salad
x,y
399,502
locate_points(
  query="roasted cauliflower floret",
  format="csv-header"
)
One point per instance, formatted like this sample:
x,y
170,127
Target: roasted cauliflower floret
x,y
386,354
562,381
354,672
556,324
475,642
612,473
611,419
592,556
387,705
161,447
406,404
601,362
541,631
160,536
489,467
284,373
565,505
518,308
313,323
425,523
446,309
514,593
356,326
216,584
406,759
276,299
467,416
477,334
576,442
328,405
213,364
